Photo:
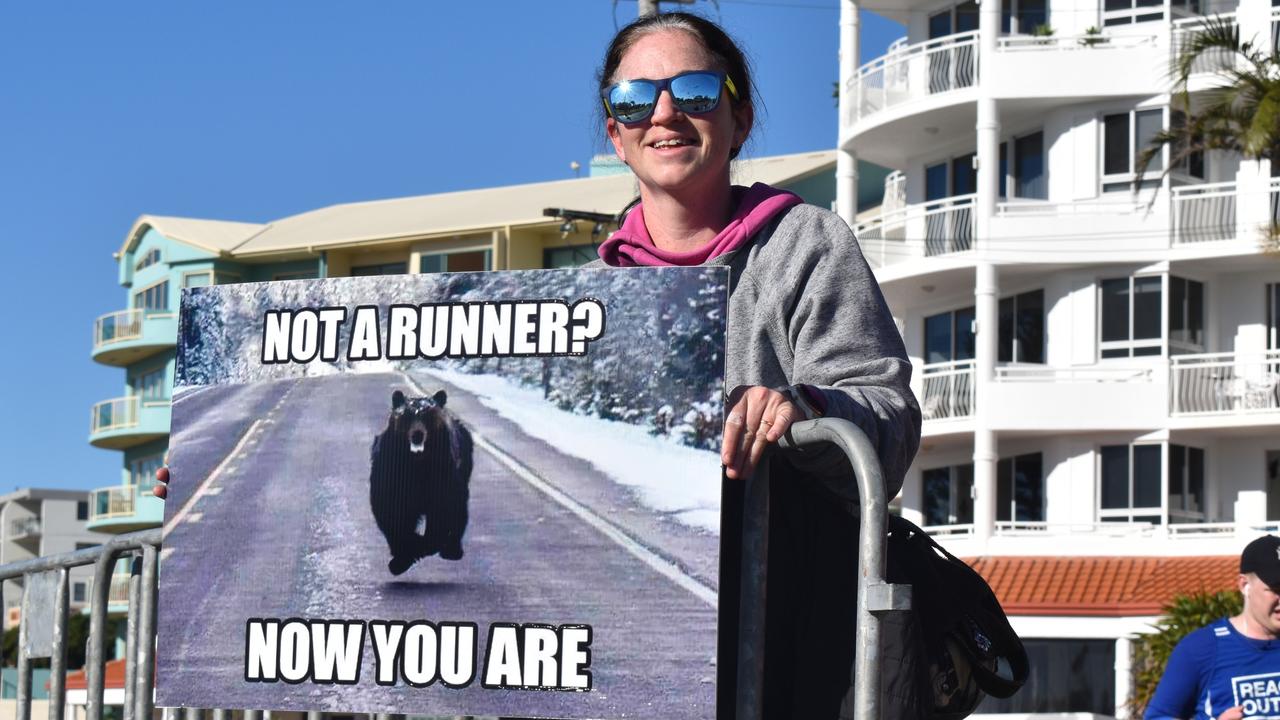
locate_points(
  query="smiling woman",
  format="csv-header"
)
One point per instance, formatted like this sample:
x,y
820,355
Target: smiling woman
x,y
808,335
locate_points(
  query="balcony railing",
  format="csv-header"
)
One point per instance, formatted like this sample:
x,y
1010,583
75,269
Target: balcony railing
x,y
113,502
114,414
1101,41
119,592
117,327
911,72
24,527
1046,373
948,390
1204,212
1225,383
963,530
1211,61
937,227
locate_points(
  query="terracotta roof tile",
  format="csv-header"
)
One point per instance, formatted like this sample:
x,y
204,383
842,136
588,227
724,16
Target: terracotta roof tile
x,y
1114,586
114,678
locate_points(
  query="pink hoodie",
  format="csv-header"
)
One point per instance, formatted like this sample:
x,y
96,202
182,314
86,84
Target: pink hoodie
x,y
757,205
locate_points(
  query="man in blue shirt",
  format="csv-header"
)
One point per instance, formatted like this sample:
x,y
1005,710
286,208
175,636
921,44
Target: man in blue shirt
x,y
1230,669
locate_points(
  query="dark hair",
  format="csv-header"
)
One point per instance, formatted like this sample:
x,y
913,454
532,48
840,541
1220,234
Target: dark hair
x,y
726,54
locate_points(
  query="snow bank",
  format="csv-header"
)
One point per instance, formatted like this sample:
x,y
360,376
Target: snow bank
x,y
666,476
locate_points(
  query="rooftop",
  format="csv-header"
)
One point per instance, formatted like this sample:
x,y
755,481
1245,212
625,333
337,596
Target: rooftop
x,y
1101,586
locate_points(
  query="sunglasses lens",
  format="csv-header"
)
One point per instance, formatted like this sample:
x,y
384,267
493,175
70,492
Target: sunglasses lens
x,y
632,100
696,92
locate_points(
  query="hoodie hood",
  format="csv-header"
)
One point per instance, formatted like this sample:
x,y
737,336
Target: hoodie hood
x,y
757,205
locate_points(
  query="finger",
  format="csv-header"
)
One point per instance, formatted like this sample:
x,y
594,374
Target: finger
x,y
734,423
783,417
162,473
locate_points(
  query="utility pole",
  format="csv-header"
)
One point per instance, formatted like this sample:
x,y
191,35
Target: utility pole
x,y
650,7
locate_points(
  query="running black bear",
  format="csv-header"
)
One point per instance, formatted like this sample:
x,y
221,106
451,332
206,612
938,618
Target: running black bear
x,y
419,480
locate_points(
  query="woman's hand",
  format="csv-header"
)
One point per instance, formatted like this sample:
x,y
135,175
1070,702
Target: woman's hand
x,y
162,486
754,417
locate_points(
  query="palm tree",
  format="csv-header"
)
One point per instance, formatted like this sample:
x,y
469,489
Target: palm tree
x,y
1181,616
1241,113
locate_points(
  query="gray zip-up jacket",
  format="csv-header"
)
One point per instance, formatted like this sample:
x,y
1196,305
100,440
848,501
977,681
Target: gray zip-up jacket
x,y
804,308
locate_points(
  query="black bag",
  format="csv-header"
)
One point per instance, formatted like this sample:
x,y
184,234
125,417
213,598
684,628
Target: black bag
x,y
955,645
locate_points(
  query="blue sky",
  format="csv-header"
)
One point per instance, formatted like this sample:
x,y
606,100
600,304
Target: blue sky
x,y
252,111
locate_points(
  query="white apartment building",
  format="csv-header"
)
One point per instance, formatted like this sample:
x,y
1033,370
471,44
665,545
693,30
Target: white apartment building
x,y
38,522
1099,369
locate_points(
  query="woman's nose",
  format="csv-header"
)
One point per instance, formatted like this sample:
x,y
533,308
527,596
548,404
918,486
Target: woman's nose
x,y
665,110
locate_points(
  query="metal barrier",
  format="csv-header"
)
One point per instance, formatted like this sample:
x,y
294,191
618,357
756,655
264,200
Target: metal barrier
x,y
875,596
46,581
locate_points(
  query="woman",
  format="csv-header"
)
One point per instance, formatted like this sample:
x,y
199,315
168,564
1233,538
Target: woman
x,y
808,335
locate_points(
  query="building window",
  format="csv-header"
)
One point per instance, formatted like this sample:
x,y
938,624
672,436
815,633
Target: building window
x,y
1186,316
1124,136
1127,12
948,495
398,268
151,386
1023,16
1020,489
963,17
1191,166
1186,484
151,258
155,297
197,279
1067,676
569,256
297,275
1130,309
82,510
949,336
1022,328
142,471
470,261
1028,167
79,592
1129,479
1130,312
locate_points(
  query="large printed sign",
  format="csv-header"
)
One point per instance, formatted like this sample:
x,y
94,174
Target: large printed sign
x,y
459,494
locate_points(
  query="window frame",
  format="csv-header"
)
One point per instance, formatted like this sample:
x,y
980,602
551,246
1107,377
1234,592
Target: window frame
x,y
445,254
1126,181
1012,464
955,503
142,471
1132,513
1016,353
1131,344
954,334
151,257
1184,483
161,290
142,384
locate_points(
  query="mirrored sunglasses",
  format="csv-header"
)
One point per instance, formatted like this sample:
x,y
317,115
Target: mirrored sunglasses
x,y
694,93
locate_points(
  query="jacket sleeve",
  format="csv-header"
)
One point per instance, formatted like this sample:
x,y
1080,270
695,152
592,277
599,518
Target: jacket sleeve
x,y
846,345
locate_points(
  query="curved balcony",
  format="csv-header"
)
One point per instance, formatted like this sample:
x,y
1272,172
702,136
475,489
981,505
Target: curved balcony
x,y
928,229
124,337
913,72
124,422
124,508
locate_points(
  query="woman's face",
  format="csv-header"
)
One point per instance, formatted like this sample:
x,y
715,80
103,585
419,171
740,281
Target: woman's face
x,y
672,152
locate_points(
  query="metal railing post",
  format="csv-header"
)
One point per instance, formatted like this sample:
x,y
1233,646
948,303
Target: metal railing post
x,y
24,662
58,664
874,595
131,638
751,621
93,658
144,656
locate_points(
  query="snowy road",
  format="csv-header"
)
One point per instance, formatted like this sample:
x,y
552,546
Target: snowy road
x,y
270,518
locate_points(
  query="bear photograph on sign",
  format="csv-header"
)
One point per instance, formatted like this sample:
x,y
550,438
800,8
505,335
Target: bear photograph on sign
x,y
447,494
